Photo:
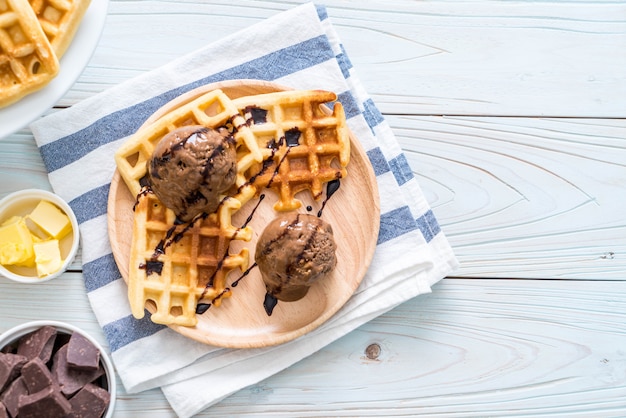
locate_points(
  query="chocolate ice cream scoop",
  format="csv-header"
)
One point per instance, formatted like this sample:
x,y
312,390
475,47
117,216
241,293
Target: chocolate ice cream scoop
x,y
190,167
293,252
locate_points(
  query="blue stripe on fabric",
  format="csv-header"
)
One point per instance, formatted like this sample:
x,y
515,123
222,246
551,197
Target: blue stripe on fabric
x,y
128,329
321,12
345,57
401,169
395,223
379,163
349,103
124,122
427,223
100,272
344,64
372,114
91,204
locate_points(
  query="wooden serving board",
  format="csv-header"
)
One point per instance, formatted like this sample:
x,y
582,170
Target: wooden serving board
x,y
241,322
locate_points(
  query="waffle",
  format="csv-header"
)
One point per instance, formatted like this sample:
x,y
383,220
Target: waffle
x,y
176,266
27,60
59,20
309,145
213,110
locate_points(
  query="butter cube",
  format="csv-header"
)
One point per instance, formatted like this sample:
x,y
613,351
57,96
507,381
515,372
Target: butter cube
x,y
51,220
16,244
11,220
47,257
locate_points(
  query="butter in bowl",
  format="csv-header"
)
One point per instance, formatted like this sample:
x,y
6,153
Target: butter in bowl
x,y
39,236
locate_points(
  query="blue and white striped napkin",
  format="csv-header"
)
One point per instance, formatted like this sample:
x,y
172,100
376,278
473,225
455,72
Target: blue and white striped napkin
x,y
298,48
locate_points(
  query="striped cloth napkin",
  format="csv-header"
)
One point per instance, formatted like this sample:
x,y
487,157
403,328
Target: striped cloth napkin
x,y
77,145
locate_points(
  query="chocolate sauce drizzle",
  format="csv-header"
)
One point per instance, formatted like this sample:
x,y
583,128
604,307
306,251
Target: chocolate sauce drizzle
x,y
249,219
276,170
274,146
217,269
255,115
269,303
172,238
331,187
292,137
244,274
152,266
143,192
203,307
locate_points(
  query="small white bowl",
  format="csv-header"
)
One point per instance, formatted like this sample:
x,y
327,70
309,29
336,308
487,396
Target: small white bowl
x,y
22,203
15,333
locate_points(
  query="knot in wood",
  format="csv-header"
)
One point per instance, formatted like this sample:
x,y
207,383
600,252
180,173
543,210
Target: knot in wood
x,y
373,351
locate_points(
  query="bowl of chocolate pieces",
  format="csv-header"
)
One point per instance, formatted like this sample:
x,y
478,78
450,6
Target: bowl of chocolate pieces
x,y
54,369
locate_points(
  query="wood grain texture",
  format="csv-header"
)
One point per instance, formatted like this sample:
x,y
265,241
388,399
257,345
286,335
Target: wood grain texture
x,y
518,193
525,197
430,58
471,348
517,197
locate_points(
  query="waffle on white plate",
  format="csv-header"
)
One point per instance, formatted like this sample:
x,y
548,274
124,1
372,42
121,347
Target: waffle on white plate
x,y
59,20
27,60
33,36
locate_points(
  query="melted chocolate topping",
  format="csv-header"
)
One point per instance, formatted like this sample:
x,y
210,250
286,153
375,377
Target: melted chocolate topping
x,y
269,303
255,115
245,273
152,266
331,188
292,137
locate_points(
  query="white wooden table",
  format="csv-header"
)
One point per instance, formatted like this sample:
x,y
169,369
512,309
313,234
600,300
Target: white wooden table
x,y
513,118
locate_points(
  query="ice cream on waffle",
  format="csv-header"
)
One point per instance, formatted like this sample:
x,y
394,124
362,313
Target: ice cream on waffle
x,y
173,263
33,37
213,109
180,266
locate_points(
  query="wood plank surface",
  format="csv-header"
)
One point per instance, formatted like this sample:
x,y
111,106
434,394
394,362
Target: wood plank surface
x,y
512,115
525,197
471,348
517,197
523,58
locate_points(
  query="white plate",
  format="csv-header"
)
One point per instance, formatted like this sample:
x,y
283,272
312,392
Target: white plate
x,y
19,114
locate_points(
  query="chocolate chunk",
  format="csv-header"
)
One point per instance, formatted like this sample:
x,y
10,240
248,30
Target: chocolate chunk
x,y
10,348
38,343
10,367
47,403
3,411
82,354
36,376
90,402
61,339
71,380
11,396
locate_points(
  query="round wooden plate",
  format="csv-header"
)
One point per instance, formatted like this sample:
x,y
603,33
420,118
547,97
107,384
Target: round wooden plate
x,y
241,322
